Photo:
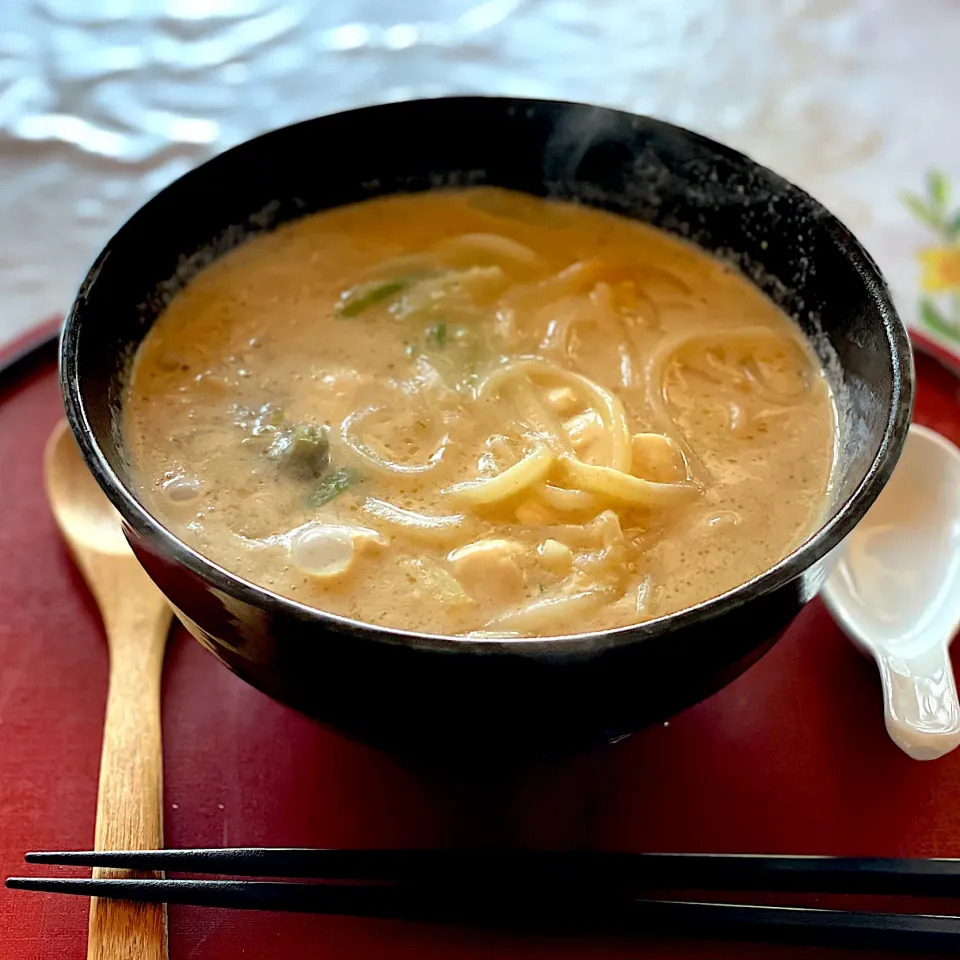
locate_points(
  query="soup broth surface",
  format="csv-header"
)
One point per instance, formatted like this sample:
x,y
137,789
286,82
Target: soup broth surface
x,y
474,411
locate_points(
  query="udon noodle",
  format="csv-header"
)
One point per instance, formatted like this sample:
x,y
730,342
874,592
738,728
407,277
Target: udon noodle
x,y
474,412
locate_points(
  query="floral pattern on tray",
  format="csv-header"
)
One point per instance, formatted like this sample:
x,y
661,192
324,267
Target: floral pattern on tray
x,y
939,306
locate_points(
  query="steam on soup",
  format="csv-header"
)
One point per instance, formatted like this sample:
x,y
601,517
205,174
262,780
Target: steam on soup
x,y
478,412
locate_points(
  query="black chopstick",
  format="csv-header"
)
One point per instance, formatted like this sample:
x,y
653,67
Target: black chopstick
x,y
913,932
814,874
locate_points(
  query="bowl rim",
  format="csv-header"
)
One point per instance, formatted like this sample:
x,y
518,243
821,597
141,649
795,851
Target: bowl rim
x,y
842,520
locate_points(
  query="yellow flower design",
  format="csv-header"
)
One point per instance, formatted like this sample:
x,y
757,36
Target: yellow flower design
x,y
940,278
941,269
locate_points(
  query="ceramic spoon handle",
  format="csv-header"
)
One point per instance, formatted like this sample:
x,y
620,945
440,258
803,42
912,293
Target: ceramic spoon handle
x,y
920,702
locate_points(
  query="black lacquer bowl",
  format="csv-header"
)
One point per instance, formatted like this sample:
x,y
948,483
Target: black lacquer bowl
x,y
443,698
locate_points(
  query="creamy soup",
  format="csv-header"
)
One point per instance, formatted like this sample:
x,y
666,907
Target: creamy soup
x,y
476,412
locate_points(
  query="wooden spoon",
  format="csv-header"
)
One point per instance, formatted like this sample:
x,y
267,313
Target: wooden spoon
x,y
137,619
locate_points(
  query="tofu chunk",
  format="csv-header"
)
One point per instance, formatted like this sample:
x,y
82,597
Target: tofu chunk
x,y
657,458
555,556
490,570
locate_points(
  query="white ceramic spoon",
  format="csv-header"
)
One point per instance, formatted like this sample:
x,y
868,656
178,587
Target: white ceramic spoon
x,y
895,591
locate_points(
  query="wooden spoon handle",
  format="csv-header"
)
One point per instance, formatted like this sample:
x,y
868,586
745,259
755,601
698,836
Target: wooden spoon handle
x,y
130,795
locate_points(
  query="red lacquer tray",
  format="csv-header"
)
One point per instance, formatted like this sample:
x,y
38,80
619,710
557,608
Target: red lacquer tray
x,y
792,757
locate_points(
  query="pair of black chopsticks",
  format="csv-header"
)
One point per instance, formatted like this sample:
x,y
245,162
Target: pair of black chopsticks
x,y
569,889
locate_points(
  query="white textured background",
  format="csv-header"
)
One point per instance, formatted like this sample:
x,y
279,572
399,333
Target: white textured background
x,y
103,102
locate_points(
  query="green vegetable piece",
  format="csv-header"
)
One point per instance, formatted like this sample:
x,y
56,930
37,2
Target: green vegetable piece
x,y
437,334
333,484
304,449
357,299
